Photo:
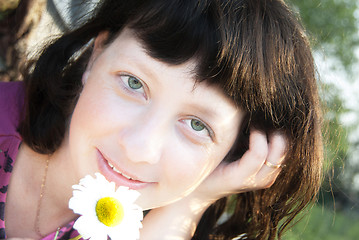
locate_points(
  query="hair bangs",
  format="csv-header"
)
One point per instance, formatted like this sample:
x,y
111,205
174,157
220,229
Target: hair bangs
x,y
175,33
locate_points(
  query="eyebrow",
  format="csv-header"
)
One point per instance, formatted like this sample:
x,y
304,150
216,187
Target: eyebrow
x,y
202,110
142,67
213,117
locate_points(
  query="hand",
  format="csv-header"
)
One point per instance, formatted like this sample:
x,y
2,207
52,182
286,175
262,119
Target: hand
x,y
245,174
248,173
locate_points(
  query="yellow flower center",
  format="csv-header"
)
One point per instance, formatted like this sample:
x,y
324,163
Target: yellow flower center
x,y
109,211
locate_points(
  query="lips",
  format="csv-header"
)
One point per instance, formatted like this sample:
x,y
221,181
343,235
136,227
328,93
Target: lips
x,y
119,172
118,176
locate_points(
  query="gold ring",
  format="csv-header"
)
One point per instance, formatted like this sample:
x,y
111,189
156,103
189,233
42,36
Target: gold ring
x,y
272,165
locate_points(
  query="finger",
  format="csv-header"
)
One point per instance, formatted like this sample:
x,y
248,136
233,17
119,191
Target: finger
x,y
278,146
257,152
241,173
276,155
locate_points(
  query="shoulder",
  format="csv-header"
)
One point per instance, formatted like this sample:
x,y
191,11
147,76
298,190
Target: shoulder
x,y
11,106
11,93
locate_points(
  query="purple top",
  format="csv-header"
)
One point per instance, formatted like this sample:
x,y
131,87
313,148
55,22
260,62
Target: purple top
x,y
11,106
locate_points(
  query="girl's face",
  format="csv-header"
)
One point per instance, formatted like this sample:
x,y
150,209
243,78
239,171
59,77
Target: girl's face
x,y
145,124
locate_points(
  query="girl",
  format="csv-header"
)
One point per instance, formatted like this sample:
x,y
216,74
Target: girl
x,y
204,107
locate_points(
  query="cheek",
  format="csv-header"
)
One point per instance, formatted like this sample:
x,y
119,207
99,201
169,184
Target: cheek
x,y
187,169
94,108
87,121
191,169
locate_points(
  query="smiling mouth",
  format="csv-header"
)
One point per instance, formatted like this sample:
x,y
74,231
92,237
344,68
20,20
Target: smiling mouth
x,y
116,175
119,172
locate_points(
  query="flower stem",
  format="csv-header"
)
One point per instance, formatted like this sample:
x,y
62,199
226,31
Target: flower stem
x,y
57,233
76,238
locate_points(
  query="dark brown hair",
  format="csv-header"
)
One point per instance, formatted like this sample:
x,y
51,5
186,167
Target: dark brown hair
x,y
255,50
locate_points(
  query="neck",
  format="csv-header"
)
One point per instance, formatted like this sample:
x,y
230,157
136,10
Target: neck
x,y
27,176
57,188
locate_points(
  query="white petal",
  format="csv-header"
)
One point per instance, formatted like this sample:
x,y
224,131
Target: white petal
x,y
84,200
85,227
124,233
99,235
79,206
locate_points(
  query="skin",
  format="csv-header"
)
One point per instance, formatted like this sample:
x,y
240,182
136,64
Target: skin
x,y
246,174
147,132
142,126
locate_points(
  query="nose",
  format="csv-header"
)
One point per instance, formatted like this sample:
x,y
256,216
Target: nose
x,y
143,138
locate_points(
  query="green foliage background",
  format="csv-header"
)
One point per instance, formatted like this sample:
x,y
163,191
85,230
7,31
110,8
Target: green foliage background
x,y
323,224
332,26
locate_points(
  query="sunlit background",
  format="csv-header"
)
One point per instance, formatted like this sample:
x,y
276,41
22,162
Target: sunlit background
x,y
333,29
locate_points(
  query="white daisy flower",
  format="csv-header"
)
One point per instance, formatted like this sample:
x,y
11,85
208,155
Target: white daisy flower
x,y
104,210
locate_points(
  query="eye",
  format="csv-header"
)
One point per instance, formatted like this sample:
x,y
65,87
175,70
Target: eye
x,y
134,83
197,125
199,128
